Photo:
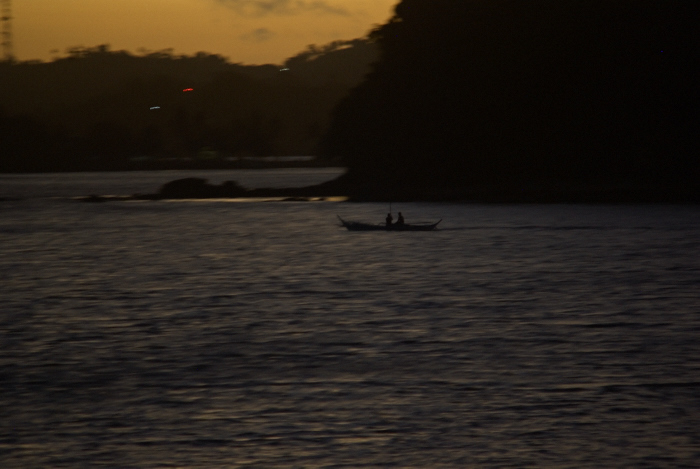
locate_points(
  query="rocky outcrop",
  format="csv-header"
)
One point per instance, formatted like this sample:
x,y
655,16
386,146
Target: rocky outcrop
x,y
198,188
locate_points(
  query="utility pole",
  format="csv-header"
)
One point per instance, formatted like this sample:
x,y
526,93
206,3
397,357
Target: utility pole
x,y
6,19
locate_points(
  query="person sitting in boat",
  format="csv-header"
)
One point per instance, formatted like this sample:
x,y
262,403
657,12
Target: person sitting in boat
x,y
389,219
400,220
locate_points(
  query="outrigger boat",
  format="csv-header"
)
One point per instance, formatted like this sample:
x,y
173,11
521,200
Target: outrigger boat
x,y
359,226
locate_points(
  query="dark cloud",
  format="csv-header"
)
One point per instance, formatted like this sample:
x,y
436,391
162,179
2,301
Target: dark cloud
x,y
258,35
283,7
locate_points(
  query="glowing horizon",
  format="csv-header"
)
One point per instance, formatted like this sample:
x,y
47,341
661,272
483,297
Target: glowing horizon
x,y
243,31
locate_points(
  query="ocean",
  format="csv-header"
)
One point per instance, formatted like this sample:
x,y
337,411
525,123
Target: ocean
x,y
224,333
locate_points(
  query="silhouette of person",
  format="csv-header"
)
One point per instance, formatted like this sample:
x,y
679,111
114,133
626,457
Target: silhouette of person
x,y
400,221
389,219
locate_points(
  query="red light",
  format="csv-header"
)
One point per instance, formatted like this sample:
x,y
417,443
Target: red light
x,y
188,89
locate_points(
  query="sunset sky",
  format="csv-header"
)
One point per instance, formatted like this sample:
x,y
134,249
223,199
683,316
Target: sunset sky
x,y
245,31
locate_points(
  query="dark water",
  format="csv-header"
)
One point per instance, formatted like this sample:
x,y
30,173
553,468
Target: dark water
x,y
223,334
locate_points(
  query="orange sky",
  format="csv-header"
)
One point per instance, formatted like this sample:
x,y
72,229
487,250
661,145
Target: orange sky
x,y
245,31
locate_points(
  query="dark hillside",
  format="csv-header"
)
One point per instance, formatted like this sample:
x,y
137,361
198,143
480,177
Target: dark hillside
x,y
513,95
100,109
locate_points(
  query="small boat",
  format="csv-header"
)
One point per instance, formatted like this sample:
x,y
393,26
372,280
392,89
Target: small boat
x,y
359,226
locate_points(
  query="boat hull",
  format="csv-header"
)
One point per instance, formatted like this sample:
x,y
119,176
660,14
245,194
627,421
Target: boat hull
x,y
359,226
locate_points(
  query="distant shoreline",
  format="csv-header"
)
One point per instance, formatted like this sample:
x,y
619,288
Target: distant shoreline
x,y
342,189
254,163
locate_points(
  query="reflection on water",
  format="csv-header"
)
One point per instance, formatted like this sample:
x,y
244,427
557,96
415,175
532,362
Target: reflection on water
x,y
153,334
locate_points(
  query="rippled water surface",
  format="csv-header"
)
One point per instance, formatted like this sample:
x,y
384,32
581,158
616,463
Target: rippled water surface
x,y
223,334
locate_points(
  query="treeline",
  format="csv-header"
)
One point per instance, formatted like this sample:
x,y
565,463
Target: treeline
x,y
514,95
99,109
